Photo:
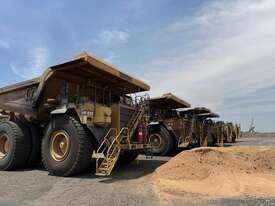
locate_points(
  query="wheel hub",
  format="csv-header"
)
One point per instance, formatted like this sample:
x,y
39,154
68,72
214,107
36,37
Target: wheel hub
x,y
155,140
4,146
59,145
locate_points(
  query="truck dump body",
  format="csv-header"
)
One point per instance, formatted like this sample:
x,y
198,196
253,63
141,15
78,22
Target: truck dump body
x,y
195,111
168,101
25,97
209,115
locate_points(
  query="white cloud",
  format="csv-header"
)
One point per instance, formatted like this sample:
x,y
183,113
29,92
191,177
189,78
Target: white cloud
x,y
4,43
236,59
35,64
109,37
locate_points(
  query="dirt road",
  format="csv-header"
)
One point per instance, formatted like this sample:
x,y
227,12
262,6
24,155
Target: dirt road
x,y
129,185
257,139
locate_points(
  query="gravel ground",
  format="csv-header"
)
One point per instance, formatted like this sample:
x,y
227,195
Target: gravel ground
x,y
265,140
128,185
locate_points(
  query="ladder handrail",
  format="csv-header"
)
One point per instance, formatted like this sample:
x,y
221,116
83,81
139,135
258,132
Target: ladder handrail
x,y
134,121
116,139
106,139
137,115
134,115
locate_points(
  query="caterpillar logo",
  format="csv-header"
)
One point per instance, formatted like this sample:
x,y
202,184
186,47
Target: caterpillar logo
x,y
30,94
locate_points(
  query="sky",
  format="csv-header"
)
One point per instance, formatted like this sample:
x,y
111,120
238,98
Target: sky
x,y
218,54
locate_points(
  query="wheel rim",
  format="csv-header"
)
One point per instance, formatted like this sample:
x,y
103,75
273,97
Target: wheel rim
x,y
155,140
4,146
60,145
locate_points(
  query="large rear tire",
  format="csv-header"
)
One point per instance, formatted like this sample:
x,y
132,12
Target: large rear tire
x,y
204,141
161,141
66,147
234,138
211,140
14,145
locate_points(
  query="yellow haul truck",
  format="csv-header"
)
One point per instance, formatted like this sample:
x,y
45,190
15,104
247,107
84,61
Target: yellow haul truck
x,y
211,132
232,132
172,126
203,130
166,128
238,131
74,111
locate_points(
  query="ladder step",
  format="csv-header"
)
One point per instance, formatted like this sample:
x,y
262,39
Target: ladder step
x,y
101,174
98,155
184,144
106,163
103,169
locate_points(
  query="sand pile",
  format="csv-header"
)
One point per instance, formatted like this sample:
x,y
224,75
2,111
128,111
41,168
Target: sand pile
x,y
219,172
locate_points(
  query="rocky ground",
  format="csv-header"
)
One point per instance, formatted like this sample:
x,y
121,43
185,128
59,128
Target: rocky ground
x,y
134,184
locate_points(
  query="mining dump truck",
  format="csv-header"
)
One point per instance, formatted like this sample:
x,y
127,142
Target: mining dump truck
x,y
201,129
166,127
232,132
75,111
211,133
238,131
218,133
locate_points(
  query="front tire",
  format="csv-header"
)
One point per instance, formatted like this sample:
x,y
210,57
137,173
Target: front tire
x,y
66,147
161,141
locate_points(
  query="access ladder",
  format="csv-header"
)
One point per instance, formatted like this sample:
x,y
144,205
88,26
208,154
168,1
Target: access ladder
x,y
109,150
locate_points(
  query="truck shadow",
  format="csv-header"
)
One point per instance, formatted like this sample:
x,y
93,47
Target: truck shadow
x,y
230,144
139,168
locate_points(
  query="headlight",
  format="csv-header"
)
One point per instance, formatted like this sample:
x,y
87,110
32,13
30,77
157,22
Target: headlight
x,y
90,113
87,113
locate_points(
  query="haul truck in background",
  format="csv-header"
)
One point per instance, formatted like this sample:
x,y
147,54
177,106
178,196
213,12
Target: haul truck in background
x,y
232,132
172,126
75,111
165,126
202,131
210,132
238,130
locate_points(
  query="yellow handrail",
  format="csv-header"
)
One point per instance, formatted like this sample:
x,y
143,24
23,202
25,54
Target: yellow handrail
x,y
116,139
106,139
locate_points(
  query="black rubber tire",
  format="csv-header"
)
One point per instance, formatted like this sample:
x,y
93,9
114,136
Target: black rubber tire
x,y
233,138
80,153
220,141
167,142
19,145
204,142
211,142
127,157
195,142
36,137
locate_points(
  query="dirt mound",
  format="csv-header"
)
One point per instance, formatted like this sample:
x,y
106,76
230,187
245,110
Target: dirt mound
x,y
219,172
